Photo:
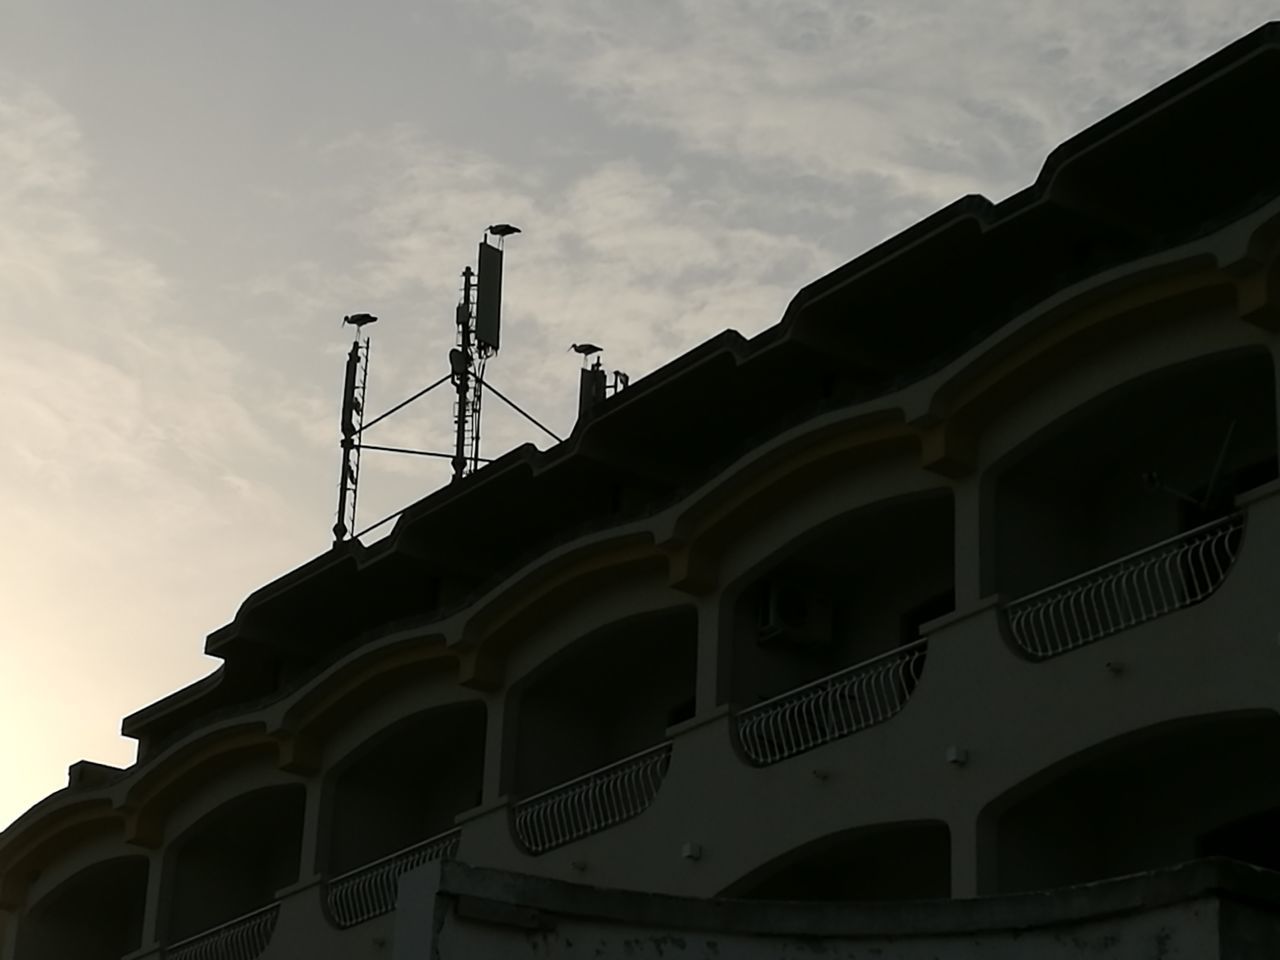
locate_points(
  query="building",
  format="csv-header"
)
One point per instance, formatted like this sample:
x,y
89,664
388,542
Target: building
x,y
963,586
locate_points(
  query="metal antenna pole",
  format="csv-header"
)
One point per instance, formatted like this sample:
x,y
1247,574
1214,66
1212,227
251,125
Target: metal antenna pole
x,y
473,459
462,375
348,478
359,425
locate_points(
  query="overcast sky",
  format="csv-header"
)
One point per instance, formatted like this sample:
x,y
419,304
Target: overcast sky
x,y
192,194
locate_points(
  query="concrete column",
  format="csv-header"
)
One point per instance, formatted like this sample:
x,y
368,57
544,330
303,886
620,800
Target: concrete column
x,y
499,746
973,853
8,933
1274,342
156,903
420,913
313,828
714,650
972,542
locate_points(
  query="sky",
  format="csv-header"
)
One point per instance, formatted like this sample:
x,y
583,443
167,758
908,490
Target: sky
x,y
193,194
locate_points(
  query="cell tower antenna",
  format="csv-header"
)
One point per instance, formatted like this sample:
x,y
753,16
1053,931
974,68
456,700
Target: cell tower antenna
x,y
461,360
478,319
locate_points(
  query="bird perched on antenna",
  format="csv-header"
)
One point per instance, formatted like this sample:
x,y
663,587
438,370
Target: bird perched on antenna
x,y
502,230
586,349
358,320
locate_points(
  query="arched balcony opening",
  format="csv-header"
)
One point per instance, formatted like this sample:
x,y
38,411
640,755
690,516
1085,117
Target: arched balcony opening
x,y
391,806
590,736
897,861
1254,839
405,785
858,588
826,639
1123,511
1150,800
94,915
230,863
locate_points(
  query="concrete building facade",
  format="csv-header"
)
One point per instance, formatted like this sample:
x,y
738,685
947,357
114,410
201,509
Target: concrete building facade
x,y
910,623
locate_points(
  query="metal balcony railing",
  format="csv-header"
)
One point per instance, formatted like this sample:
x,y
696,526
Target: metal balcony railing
x,y
1167,576
243,938
592,802
835,706
370,891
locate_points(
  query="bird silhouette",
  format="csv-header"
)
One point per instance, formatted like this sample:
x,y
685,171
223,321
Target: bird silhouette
x,y
586,349
358,320
502,230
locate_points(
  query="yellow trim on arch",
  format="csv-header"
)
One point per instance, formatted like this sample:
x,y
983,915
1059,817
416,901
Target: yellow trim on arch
x,y
147,802
1059,338
706,526
344,686
46,838
493,628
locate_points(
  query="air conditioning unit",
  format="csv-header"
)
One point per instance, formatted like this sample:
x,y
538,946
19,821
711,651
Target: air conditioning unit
x,y
795,613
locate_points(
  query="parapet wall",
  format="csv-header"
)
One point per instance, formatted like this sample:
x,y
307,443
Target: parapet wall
x,y
1205,909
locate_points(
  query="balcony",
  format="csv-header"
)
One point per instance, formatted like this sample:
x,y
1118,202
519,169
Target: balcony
x,y
243,938
224,871
1167,576
95,914
838,595
370,891
832,707
384,816
592,802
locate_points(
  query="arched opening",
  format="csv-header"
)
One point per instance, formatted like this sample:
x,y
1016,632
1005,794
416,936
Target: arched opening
x,y
860,586
1154,799
94,915
1254,839
405,785
896,861
234,859
1144,462
610,694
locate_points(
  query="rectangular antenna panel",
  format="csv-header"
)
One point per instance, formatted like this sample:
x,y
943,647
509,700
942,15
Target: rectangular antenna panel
x,y
349,392
489,295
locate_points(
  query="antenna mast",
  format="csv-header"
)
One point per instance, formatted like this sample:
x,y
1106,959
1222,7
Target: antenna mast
x,y
478,319
353,392
461,359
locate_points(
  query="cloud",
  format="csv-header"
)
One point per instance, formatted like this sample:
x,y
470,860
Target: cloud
x,y
916,102
126,441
